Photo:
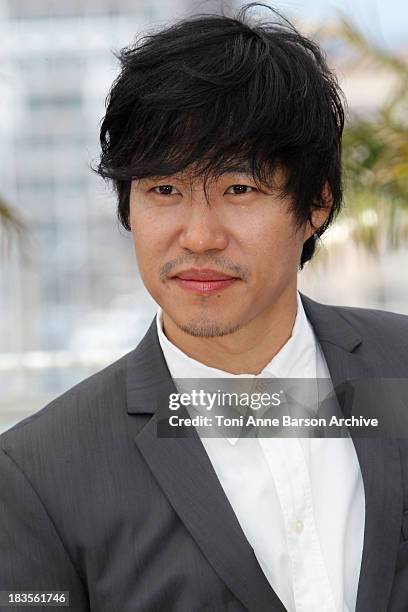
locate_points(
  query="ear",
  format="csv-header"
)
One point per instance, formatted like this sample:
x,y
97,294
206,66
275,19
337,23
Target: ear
x,y
319,215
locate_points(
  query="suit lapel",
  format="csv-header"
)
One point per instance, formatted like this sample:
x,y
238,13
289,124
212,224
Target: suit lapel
x,y
378,457
184,471
185,474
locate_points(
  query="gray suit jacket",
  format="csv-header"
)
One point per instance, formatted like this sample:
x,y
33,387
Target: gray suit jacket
x,y
93,502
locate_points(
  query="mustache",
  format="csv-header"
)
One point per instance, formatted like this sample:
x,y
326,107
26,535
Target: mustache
x,y
216,261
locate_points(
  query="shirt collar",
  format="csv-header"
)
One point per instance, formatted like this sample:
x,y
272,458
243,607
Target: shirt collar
x,y
296,359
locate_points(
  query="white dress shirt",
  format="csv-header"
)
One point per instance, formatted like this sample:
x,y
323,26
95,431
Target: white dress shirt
x,y
299,501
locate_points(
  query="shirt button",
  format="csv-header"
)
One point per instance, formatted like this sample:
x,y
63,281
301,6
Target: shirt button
x,y
298,526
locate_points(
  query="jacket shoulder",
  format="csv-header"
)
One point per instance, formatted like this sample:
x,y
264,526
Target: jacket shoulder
x,y
87,401
364,320
379,337
384,338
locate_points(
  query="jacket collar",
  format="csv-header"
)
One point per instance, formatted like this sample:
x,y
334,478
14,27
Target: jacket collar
x,y
201,502
147,371
329,326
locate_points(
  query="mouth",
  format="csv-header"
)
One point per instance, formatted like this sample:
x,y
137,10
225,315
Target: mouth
x,y
203,281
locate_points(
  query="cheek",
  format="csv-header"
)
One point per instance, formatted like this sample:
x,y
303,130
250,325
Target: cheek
x,y
273,249
144,239
151,242
147,256
145,229
272,239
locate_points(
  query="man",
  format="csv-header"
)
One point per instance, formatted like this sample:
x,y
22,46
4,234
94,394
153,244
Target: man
x,y
222,137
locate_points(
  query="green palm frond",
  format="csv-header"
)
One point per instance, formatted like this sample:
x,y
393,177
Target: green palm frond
x,y
11,225
375,149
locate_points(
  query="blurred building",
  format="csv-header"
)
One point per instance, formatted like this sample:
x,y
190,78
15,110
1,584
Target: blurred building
x,y
56,68
70,298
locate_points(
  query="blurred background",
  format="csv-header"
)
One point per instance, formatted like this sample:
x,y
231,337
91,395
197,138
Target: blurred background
x,y
71,300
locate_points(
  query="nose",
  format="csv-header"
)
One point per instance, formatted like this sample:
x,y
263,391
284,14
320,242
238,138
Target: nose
x,y
202,229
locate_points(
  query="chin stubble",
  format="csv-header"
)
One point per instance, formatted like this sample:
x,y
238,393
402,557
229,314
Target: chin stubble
x,y
204,329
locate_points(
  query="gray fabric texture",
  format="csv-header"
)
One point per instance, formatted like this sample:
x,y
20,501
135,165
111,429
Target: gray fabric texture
x,y
92,501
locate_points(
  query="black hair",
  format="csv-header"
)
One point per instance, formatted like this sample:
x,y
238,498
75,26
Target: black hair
x,y
214,89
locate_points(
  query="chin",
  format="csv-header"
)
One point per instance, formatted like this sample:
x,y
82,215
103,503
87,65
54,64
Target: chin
x,y
207,328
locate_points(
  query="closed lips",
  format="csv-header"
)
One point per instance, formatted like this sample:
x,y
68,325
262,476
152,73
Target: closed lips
x,y
203,275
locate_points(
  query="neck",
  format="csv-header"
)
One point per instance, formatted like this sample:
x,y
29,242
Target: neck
x,y
249,349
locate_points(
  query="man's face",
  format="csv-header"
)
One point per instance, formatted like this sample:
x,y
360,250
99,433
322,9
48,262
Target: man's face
x,y
216,264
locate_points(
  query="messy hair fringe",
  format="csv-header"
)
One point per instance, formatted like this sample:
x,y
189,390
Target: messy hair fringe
x,y
211,91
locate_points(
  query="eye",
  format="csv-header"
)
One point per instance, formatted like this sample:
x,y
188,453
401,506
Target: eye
x,y
240,189
165,190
